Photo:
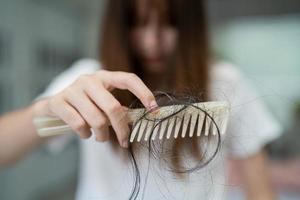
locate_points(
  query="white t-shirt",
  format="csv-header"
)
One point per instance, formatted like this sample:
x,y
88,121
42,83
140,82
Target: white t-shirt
x,y
106,172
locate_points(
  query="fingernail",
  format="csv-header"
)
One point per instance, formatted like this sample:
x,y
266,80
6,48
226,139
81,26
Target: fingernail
x,y
152,104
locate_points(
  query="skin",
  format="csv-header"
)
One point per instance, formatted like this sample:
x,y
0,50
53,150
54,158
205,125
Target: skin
x,y
85,104
88,103
253,174
154,43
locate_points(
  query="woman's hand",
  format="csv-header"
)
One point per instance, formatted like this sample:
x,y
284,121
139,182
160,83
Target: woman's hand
x,y
88,103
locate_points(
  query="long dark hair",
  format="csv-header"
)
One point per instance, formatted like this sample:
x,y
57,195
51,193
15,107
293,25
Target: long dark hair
x,y
190,65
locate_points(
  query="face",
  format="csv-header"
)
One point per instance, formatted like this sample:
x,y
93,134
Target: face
x,y
153,41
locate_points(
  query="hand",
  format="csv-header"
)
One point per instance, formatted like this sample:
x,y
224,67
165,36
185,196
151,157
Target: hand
x,y
87,103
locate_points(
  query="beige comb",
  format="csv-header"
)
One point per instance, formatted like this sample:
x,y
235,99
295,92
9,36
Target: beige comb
x,y
186,121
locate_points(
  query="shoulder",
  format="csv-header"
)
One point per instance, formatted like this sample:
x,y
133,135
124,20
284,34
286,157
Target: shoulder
x,y
225,71
82,66
227,82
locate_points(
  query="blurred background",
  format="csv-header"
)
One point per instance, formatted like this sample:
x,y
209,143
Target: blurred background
x,y
41,38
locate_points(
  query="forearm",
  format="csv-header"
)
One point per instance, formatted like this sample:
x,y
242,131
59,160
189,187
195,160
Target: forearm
x,y
17,135
256,177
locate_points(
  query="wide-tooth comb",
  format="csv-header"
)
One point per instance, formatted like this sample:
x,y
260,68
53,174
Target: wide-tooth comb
x,y
165,122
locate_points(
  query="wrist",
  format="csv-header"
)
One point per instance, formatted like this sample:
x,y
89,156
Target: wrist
x,y
40,108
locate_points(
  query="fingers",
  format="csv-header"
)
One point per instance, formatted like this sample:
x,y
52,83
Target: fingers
x,y
88,103
69,115
131,82
113,109
101,134
88,110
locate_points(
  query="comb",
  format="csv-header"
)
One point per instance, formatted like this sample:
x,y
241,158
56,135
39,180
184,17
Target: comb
x,y
166,122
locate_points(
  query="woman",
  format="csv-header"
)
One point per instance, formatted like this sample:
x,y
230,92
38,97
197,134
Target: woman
x,y
145,46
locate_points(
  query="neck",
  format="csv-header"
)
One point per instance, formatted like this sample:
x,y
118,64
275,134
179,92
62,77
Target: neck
x,y
156,81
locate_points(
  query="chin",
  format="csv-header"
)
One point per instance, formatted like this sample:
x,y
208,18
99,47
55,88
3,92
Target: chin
x,y
155,68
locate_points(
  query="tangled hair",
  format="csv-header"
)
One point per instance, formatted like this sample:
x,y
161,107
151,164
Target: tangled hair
x,y
164,150
188,68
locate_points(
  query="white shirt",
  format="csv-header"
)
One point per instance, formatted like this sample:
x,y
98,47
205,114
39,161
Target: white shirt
x,y
106,173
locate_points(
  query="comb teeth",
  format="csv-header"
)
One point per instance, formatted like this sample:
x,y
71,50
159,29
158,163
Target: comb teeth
x,y
170,128
193,121
190,121
155,131
142,130
186,123
149,129
177,127
207,125
163,129
135,130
